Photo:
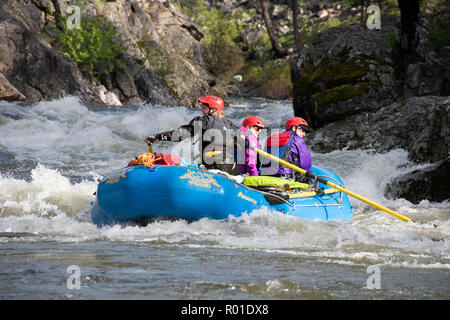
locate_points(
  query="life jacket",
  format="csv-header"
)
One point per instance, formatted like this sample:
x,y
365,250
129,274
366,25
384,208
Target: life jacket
x,y
280,141
238,152
167,159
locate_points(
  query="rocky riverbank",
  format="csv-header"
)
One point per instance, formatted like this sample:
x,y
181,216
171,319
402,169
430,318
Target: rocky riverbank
x,y
158,37
353,88
419,125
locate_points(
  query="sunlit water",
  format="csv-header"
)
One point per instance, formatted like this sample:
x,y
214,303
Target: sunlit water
x,y
53,153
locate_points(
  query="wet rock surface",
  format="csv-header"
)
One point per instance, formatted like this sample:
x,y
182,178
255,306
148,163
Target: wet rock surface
x,y
431,183
347,71
32,69
356,93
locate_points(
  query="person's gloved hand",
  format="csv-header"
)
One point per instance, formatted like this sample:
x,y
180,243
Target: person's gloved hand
x,y
156,138
150,140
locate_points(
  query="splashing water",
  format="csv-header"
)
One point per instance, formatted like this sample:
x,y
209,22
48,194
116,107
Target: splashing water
x,y
52,154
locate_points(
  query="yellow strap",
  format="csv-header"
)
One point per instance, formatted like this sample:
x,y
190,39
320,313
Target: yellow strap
x,y
211,154
312,193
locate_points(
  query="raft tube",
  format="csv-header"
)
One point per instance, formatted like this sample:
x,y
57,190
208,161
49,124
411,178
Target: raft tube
x,y
138,192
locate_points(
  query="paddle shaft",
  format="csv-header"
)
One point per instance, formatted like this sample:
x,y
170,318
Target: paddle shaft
x,y
311,175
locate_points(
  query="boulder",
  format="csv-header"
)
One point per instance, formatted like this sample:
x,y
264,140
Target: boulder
x,y
164,60
348,70
107,97
356,93
429,77
163,63
8,91
431,183
419,125
33,68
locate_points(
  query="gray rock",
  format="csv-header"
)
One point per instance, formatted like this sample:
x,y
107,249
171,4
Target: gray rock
x,y
431,183
170,71
419,125
8,91
33,68
344,73
355,95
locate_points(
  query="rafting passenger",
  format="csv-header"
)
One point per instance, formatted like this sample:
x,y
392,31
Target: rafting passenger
x,y
250,128
291,148
216,145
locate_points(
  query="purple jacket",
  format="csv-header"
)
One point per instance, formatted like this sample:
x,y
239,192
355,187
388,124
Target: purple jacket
x,y
298,151
251,157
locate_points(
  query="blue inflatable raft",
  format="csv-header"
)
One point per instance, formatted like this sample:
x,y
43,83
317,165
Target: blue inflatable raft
x,y
138,192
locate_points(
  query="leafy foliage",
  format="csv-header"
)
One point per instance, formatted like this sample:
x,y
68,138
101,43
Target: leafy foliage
x,y
221,38
439,33
96,47
157,56
269,78
392,40
223,53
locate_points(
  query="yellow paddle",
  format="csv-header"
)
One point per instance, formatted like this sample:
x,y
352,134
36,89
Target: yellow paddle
x,y
328,183
150,144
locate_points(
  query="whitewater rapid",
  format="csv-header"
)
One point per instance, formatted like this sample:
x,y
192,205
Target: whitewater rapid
x,y
54,153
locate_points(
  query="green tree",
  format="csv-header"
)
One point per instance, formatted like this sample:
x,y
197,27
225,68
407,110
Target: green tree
x,y
279,50
96,47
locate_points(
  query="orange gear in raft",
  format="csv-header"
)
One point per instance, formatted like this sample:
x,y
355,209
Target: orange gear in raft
x,y
149,159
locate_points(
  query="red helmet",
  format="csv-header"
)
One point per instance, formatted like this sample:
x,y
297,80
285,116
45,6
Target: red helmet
x,y
297,122
213,102
253,122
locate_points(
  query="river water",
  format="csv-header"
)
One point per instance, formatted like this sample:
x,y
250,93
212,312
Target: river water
x,y
52,154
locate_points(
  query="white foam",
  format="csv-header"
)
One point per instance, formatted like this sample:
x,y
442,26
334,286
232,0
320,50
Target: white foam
x,y
90,143
48,193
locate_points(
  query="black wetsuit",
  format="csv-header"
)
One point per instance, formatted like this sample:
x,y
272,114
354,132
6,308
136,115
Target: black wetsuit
x,y
217,141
